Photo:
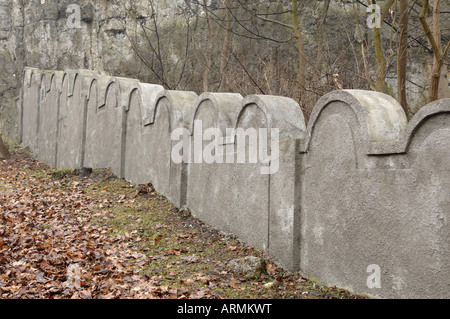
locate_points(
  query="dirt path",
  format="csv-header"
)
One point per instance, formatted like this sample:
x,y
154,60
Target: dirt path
x,y
65,236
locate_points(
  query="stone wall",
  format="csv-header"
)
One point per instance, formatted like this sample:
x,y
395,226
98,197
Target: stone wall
x,y
359,198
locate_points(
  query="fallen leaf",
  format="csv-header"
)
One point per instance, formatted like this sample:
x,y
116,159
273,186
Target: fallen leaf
x,y
158,239
271,269
176,252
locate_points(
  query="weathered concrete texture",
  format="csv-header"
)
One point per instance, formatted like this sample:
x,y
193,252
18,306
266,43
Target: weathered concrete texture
x,y
357,190
210,193
48,116
389,210
97,124
138,110
183,105
29,113
72,118
105,122
168,111
235,196
284,115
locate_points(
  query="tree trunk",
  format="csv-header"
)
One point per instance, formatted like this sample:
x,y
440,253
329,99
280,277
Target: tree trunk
x,y
437,61
381,61
434,37
225,48
320,30
379,54
301,53
402,55
208,53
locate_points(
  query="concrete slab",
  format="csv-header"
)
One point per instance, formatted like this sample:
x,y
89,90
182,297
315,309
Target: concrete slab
x,y
48,116
72,118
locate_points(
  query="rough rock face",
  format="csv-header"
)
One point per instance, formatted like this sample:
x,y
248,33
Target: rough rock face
x,y
7,82
39,33
250,267
66,34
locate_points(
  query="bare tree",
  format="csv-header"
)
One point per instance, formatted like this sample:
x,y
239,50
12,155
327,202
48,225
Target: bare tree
x,y
150,44
434,37
286,48
402,55
226,47
301,54
208,53
379,54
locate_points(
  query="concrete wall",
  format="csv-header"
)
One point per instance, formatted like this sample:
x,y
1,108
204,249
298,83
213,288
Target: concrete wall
x,y
384,195
151,117
48,116
97,124
72,118
29,113
359,198
105,130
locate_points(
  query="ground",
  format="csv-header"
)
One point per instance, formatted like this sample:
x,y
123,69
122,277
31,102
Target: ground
x,y
64,236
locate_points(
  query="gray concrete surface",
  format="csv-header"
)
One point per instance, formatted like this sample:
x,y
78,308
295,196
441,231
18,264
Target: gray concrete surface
x,y
367,204
29,112
105,127
72,118
48,116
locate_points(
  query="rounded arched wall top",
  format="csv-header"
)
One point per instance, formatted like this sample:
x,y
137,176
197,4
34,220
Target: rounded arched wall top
x,y
93,86
30,74
147,97
46,80
425,113
99,83
68,79
226,106
72,76
381,118
124,87
51,80
181,108
85,78
56,80
281,112
147,94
